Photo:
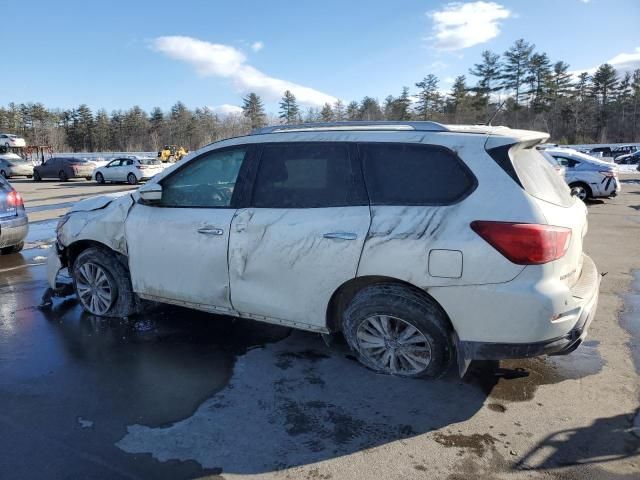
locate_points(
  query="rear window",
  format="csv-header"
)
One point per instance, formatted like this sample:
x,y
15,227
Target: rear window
x,y
149,161
538,177
78,160
414,174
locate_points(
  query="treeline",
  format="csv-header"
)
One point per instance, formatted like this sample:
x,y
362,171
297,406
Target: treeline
x,y
522,88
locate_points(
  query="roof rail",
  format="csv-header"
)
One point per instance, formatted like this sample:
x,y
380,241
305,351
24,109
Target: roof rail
x,y
422,126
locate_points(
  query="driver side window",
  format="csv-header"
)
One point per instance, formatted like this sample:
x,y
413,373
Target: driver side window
x,y
208,181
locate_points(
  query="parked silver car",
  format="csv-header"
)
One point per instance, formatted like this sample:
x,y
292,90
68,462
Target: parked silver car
x,y
14,224
12,165
587,176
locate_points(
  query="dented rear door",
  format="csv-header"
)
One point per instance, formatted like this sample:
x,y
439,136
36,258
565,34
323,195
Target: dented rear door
x,y
302,235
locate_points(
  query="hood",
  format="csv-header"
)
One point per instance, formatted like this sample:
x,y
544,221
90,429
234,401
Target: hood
x,y
96,203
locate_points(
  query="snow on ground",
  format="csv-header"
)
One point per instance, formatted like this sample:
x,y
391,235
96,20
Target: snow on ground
x,y
628,169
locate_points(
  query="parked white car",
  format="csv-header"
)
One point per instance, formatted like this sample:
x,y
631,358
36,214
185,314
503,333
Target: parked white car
x,y
421,242
587,176
130,170
9,140
12,165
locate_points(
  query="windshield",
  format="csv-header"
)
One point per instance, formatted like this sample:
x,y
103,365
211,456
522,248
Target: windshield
x,y
538,177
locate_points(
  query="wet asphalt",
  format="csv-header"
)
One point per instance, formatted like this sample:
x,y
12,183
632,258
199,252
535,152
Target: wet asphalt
x,y
175,393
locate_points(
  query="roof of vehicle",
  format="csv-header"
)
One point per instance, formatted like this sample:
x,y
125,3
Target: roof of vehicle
x,y
417,126
570,152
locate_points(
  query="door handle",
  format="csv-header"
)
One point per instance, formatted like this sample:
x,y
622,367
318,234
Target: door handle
x,y
210,231
341,235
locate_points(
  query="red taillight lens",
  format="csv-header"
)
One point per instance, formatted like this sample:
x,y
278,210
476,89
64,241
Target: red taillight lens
x,y
143,167
525,243
14,199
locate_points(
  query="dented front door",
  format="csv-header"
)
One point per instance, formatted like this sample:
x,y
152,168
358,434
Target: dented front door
x,y
178,248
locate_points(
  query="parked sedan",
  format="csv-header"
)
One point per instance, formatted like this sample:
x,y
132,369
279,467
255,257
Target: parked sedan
x,y
629,159
587,176
14,224
130,170
9,140
12,165
64,168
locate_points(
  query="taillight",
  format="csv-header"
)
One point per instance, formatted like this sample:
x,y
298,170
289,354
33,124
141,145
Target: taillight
x,y
525,243
608,173
143,167
14,199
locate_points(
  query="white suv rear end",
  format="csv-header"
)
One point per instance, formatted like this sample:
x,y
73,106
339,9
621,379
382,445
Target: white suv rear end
x,y
420,242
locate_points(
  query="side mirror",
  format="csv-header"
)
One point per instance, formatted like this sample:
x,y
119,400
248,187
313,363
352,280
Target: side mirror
x,y
151,193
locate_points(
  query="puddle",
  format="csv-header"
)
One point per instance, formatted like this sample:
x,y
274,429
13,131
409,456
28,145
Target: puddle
x,y
476,442
630,318
518,380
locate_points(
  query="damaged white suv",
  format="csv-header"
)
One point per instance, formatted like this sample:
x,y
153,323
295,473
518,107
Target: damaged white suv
x,y
421,242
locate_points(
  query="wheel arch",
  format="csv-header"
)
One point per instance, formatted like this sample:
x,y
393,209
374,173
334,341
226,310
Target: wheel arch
x,y
344,294
76,248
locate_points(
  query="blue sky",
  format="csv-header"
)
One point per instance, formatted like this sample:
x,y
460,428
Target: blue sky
x,y
207,53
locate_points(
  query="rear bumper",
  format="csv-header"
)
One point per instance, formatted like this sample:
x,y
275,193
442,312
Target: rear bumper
x,y
13,231
585,292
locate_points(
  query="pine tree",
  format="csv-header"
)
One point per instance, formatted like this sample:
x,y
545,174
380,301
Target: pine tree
x,y
488,73
326,114
603,88
539,76
289,110
102,132
428,97
401,107
338,110
387,108
515,69
253,110
458,98
370,109
353,111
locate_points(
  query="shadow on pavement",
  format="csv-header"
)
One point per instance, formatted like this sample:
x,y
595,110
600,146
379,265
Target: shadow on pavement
x,y
605,440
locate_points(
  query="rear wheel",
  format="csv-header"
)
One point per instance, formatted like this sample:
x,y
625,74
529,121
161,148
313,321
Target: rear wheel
x,y
63,176
4,174
12,249
99,178
581,190
398,331
103,284
132,179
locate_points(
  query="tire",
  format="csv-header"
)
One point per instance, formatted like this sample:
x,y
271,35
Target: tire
x,y
99,178
114,282
36,177
581,190
12,249
63,176
132,179
429,350
3,174
29,177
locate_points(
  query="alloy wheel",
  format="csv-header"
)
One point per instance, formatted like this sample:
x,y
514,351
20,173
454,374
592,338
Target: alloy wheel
x,y
393,345
94,288
579,191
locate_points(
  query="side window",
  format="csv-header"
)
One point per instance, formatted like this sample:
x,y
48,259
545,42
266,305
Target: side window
x,y
414,174
567,162
208,181
115,163
307,175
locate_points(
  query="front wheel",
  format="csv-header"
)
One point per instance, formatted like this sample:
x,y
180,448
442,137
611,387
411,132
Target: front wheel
x,y
99,178
103,284
132,179
36,177
398,331
3,174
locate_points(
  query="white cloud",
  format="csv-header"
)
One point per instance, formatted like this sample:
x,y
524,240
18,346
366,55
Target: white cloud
x,y
226,109
217,60
257,46
622,62
463,25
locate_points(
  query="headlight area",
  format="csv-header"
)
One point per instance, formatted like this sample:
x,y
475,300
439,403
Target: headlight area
x,y
64,219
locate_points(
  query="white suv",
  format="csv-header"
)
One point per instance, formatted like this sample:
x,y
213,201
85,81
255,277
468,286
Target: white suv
x,y
421,242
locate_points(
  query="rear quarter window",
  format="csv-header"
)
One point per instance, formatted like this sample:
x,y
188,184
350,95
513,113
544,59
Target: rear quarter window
x,y
538,177
414,174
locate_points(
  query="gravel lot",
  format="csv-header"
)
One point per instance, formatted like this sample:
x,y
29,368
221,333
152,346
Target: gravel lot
x,y
182,394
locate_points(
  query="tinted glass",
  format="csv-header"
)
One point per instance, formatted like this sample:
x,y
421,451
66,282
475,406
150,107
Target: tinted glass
x,y
538,178
306,175
208,181
405,174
